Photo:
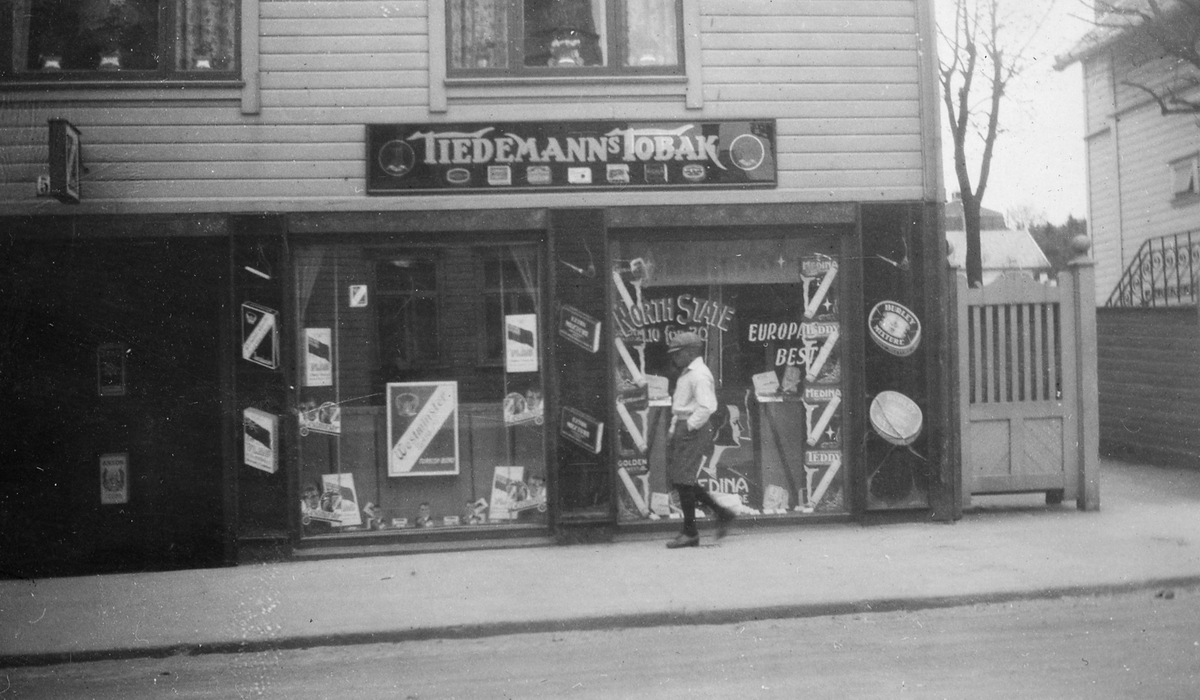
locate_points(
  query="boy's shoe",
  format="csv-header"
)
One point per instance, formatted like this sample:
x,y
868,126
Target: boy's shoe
x,y
684,541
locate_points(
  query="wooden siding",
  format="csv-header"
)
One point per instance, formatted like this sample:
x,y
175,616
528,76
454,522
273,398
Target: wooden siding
x,y
1097,93
1104,212
1136,204
842,79
1149,371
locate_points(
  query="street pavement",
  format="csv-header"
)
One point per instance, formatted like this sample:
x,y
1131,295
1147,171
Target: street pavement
x,y
1145,535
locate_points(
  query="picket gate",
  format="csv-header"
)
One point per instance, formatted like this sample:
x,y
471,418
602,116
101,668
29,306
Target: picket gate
x,y
1027,386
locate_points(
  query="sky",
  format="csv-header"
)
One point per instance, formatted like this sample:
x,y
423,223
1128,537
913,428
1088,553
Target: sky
x,y
1039,155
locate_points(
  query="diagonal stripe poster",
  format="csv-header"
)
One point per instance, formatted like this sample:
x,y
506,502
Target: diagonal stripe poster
x,y
422,428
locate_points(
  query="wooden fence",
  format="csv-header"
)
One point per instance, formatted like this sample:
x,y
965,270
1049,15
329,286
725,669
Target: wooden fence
x,y
1027,387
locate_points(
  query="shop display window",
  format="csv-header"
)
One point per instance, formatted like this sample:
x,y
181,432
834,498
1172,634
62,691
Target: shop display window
x,y
420,387
524,35
769,311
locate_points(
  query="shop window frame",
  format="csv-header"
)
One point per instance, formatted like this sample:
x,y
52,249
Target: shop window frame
x,y
165,75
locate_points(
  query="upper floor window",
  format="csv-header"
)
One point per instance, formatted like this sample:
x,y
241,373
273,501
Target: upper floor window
x,y
531,37
1185,177
116,40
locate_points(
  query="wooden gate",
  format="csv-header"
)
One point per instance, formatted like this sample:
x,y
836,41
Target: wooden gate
x,y
1027,381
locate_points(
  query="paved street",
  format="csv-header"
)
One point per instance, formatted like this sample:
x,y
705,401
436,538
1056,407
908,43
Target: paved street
x,y
1136,645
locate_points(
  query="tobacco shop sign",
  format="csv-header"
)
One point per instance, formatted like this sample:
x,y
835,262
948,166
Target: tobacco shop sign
x,y
522,156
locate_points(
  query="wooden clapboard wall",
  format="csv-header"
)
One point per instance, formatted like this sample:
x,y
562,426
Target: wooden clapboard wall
x,y
1130,147
854,99
1149,369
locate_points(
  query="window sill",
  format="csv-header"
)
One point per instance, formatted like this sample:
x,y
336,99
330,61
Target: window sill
x,y
541,79
600,88
73,90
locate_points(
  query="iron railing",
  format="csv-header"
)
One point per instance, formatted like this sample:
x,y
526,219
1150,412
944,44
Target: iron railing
x,y
1164,272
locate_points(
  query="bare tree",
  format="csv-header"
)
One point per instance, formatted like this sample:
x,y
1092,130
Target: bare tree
x,y
1171,29
1025,215
978,48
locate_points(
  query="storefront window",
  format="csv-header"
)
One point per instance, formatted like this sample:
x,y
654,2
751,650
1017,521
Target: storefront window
x,y
769,312
410,416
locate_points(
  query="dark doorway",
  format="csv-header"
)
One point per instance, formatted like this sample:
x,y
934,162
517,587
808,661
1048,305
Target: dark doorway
x,y
110,355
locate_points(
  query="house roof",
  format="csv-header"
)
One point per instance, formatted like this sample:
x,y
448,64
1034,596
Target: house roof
x,y
989,219
1103,35
1008,249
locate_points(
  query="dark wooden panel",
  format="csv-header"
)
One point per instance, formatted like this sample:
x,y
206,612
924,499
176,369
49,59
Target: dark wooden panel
x,y
1149,381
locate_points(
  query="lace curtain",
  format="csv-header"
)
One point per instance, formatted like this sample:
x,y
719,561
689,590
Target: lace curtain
x,y
205,32
653,33
478,33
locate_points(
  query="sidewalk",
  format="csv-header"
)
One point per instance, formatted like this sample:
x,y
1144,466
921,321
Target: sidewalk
x,y
1005,548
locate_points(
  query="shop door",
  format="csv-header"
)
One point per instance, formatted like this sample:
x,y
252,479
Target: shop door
x,y
111,362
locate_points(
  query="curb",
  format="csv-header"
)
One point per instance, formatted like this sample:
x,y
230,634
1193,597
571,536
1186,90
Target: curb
x,y
593,623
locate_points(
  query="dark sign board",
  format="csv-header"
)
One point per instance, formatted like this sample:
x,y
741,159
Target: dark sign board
x,y
523,156
65,161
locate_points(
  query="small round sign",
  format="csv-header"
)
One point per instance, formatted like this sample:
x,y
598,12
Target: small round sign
x,y
894,328
397,158
747,152
896,418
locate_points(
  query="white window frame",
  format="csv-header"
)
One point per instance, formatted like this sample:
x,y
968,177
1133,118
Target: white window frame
x,y
1185,178
443,90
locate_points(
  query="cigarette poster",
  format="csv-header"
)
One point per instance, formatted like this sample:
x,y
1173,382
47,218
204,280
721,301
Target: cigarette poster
x,y
260,335
339,500
318,357
579,328
512,494
260,432
110,369
422,428
114,478
520,343
582,429
325,418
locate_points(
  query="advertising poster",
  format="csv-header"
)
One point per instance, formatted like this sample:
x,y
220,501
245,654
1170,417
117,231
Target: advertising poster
x,y
110,369
325,418
506,485
318,357
339,500
512,494
260,335
582,429
114,478
422,428
579,328
520,343
259,440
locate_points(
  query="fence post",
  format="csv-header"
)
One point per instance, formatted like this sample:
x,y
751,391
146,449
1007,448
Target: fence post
x,y
1087,403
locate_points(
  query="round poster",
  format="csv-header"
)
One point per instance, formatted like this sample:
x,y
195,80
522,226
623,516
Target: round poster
x,y
894,328
896,417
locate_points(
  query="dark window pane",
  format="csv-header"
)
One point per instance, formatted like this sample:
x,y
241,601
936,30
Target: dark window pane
x,y
564,33
493,328
425,331
93,35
